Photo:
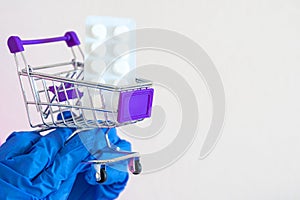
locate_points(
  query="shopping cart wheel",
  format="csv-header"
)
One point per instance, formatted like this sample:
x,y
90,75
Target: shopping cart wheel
x,y
101,176
137,167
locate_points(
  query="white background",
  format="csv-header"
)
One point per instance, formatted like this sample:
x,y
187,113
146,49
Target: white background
x,y
255,46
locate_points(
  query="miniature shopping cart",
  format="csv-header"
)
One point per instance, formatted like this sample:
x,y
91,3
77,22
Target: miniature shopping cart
x,y
57,95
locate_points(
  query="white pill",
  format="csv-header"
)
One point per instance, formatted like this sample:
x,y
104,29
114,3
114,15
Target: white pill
x,y
121,67
120,29
99,31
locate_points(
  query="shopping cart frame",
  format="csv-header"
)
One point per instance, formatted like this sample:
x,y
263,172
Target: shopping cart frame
x,y
57,98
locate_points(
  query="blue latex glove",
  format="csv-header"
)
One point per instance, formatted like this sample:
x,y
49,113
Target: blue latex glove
x,y
44,167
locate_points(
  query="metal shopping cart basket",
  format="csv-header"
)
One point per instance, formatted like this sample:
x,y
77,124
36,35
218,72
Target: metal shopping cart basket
x,y
57,95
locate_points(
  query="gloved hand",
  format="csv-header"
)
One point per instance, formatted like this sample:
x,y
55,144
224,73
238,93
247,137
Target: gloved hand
x,y
33,166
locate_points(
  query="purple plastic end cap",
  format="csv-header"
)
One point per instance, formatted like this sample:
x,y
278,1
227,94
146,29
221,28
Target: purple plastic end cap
x,y
135,105
72,39
15,44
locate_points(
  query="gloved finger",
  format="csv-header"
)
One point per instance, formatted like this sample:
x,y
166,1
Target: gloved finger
x,y
67,163
116,141
109,154
93,140
123,145
116,170
112,135
113,186
8,191
63,191
40,155
82,189
18,143
115,173
111,190
86,185
65,166
100,151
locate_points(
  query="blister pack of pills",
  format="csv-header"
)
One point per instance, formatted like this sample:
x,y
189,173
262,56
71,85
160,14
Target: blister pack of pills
x,y
109,41
110,59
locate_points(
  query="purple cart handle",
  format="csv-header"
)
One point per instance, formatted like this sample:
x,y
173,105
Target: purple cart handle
x,y
15,44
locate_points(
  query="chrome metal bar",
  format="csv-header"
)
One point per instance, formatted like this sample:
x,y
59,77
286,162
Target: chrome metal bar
x,y
126,156
74,106
48,101
52,65
91,84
